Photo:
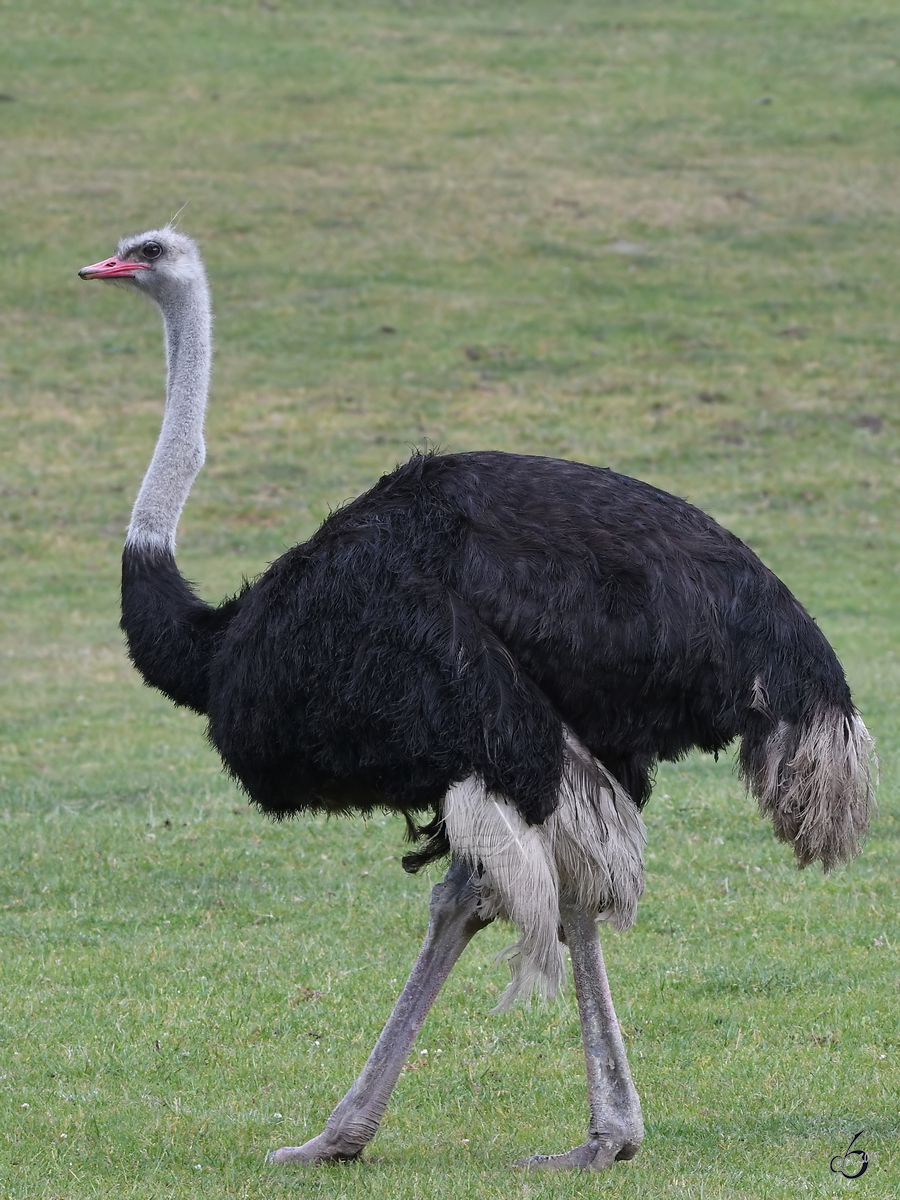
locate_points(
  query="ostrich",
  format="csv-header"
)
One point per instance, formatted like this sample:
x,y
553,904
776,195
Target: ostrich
x,y
500,647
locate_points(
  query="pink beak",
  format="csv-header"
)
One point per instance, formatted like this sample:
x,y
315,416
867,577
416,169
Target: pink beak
x,y
113,268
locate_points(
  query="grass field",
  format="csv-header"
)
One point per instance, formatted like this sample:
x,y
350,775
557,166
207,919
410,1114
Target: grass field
x,y
659,237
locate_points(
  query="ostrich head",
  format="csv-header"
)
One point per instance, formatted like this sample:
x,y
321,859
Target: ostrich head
x,y
161,263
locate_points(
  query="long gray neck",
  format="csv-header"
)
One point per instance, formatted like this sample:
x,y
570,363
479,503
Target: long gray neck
x,y
180,450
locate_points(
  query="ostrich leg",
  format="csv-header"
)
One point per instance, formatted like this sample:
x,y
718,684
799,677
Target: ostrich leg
x,y
616,1127
453,922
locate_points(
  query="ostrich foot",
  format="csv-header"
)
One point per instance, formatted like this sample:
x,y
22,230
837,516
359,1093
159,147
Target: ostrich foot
x,y
324,1148
596,1154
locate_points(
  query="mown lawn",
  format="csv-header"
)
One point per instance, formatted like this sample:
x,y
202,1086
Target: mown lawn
x,y
659,237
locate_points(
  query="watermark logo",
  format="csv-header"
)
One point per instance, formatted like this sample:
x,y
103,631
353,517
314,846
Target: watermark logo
x,y
852,1163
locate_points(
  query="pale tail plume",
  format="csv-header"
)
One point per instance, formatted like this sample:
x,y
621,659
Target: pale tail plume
x,y
815,781
590,848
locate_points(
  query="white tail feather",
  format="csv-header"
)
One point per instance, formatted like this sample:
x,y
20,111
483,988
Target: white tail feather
x,y
815,783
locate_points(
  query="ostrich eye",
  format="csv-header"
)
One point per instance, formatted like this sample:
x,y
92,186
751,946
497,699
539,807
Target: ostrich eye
x,y
151,250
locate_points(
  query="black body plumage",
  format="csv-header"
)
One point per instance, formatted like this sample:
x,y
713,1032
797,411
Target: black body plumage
x,y
450,620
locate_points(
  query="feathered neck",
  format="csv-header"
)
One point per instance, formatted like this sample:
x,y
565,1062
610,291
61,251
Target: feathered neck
x,y
180,450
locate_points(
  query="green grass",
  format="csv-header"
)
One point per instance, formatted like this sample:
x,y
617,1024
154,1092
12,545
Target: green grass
x,y
661,237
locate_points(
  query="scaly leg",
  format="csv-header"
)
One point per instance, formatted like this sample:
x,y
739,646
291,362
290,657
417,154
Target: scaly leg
x,y
616,1127
453,922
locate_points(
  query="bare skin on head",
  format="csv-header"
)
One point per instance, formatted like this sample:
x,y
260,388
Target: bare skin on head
x,y
511,644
